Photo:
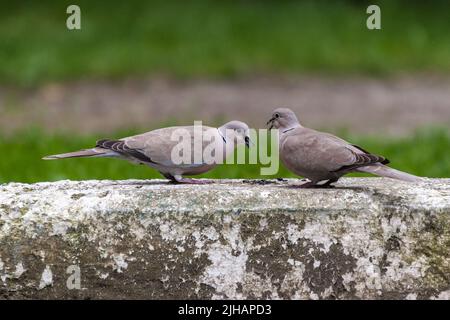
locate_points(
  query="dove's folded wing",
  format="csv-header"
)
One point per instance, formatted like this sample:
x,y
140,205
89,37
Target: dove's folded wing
x,y
158,145
318,151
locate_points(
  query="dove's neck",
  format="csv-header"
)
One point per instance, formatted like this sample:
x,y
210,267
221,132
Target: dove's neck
x,y
291,127
228,146
222,134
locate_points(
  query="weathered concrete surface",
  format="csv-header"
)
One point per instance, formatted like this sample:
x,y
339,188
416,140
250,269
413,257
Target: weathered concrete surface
x,y
369,238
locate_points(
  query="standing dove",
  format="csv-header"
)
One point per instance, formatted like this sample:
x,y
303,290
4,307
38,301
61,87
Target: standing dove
x,y
154,149
321,156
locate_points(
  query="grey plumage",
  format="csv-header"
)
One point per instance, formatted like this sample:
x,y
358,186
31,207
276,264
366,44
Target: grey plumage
x,y
321,156
154,149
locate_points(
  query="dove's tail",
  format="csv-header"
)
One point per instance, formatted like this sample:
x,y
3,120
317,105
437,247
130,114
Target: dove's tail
x,y
385,171
88,153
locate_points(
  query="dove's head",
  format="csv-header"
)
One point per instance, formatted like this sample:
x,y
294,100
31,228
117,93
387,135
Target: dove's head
x,y
236,131
283,118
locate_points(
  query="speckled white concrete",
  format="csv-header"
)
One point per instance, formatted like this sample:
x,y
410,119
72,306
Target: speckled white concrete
x,y
368,238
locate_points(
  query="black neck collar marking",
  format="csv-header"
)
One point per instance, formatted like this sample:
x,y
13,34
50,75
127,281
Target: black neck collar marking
x,y
288,130
223,138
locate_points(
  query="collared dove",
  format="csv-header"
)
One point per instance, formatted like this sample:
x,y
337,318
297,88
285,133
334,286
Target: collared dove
x,y
155,148
321,156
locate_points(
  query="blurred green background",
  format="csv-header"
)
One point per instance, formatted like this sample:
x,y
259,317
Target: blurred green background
x,y
216,41
219,38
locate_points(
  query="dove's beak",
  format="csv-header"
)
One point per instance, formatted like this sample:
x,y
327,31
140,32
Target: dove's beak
x,y
270,122
248,142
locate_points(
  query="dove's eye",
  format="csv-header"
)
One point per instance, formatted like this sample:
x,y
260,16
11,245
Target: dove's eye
x,y
277,115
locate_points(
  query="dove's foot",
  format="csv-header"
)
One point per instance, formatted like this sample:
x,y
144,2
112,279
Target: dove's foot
x,y
308,185
325,186
312,184
194,181
177,179
191,181
328,183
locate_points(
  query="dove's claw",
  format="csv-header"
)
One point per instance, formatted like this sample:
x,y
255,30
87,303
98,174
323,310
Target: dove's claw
x,y
192,181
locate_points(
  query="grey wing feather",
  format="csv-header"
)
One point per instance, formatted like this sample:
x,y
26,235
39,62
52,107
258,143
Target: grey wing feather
x,y
122,148
362,160
156,146
358,150
323,151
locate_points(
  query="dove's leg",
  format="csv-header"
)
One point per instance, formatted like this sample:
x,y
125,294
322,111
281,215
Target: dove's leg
x,y
169,177
328,183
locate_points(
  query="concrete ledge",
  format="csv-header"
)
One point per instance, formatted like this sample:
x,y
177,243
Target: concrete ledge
x,y
369,238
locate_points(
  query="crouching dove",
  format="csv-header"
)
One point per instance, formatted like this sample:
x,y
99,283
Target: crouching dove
x,y
155,148
321,156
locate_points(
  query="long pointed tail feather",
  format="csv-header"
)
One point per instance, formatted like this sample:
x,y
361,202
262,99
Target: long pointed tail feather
x,y
385,171
88,153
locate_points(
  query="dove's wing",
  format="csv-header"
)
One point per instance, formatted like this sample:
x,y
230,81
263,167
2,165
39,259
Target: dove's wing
x,y
316,151
155,147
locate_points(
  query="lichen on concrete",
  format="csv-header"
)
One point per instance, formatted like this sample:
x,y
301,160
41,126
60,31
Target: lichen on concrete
x,y
369,238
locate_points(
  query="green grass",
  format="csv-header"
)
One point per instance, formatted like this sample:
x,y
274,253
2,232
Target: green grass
x,y
218,39
425,153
